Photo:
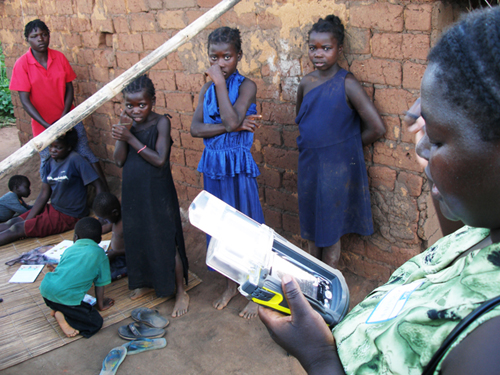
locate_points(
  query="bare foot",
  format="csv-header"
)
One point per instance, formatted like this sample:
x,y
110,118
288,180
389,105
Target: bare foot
x,y
250,311
222,302
181,304
67,329
139,292
52,313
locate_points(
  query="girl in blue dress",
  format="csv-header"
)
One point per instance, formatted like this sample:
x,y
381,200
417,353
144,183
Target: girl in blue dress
x,y
336,119
226,118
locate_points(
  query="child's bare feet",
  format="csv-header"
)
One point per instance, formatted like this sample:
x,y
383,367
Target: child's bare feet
x,y
181,304
229,293
250,311
67,329
139,292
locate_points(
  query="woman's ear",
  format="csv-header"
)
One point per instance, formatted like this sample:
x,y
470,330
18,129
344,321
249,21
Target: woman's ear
x,y
153,101
240,55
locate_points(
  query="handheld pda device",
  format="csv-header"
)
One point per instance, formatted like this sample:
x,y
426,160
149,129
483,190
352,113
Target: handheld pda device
x,y
256,257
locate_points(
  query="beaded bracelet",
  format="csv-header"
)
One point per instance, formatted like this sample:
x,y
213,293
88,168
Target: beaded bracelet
x,y
142,149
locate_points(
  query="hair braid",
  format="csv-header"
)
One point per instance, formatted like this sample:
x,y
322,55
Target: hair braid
x,y
141,83
226,35
331,24
468,57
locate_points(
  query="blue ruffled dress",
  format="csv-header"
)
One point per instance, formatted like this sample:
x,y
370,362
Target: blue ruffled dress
x,y
229,171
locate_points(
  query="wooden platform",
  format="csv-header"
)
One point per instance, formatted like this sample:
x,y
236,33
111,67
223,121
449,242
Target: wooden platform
x,y
27,329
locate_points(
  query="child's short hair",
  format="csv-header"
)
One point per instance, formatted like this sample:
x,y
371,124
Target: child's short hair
x,y
35,24
105,203
141,83
331,24
90,228
70,138
468,60
226,35
16,181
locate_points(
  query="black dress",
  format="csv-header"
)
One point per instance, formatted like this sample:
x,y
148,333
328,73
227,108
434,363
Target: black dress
x,y
152,226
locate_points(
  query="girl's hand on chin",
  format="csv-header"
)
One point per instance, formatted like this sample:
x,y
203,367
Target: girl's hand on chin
x,y
215,74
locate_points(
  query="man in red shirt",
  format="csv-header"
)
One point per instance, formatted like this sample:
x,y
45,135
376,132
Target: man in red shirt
x,y
43,78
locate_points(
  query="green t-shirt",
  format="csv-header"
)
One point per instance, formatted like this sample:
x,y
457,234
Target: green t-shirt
x,y
81,265
400,325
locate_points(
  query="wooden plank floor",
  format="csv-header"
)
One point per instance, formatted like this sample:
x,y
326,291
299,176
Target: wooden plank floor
x,y
27,328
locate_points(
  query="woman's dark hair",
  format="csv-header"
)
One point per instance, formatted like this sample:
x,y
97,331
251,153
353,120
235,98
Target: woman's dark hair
x,y
331,24
70,138
35,24
226,35
90,228
141,83
17,180
468,61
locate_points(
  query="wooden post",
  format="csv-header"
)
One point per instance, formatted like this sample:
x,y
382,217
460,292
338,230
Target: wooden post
x,y
113,88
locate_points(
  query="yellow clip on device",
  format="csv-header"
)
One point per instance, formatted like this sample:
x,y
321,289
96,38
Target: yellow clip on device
x,y
256,257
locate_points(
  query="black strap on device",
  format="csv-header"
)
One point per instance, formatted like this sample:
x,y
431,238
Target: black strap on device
x,y
482,309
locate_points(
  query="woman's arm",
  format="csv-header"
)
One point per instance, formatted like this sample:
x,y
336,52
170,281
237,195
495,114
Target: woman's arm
x,y
304,333
68,98
372,126
31,110
198,128
156,157
40,201
233,117
98,185
477,353
300,97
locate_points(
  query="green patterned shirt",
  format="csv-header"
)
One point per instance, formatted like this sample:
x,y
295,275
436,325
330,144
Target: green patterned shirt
x,y
400,325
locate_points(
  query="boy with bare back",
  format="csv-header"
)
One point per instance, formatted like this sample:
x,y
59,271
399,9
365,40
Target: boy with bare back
x,y
81,265
107,206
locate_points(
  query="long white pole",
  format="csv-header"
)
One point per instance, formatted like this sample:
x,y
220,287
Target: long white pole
x,y
113,88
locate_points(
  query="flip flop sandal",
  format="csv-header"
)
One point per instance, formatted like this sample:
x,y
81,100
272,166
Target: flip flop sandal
x,y
149,317
142,345
139,331
113,360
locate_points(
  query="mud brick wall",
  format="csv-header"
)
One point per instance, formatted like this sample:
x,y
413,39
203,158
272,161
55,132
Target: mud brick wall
x,y
386,48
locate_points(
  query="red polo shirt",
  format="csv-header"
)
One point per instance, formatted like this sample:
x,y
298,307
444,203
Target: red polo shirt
x,y
47,87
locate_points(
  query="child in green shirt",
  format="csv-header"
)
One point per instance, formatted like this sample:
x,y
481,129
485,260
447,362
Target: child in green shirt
x,y
81,265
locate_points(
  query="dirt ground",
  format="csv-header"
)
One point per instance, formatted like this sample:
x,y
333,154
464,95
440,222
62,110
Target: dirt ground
x,y
204,341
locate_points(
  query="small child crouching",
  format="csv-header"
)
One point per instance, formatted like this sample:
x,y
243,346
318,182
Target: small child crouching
x,y
12,203
107,206
81,265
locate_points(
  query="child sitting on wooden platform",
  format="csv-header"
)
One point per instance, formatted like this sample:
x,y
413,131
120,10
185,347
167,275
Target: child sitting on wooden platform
x,y
107,206
81,265
12,203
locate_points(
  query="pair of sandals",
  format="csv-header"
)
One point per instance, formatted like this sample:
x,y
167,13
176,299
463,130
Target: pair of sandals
x,y
144,334
148,324
116,355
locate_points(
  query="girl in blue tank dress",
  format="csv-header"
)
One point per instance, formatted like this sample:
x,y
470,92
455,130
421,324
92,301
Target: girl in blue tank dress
x,y
336,119
226,118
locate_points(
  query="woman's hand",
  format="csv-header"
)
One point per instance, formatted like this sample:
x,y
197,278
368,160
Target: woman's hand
x,y
304,333
250,123
416,124
215,74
